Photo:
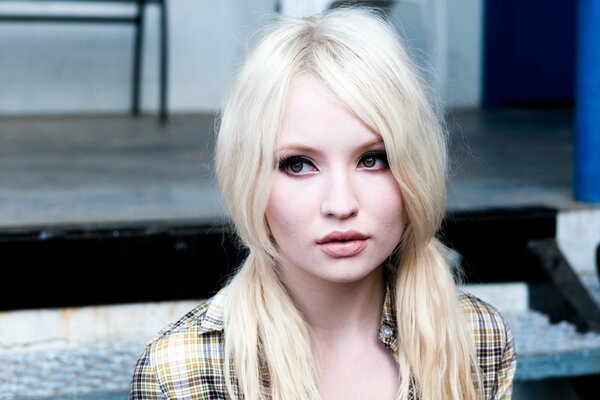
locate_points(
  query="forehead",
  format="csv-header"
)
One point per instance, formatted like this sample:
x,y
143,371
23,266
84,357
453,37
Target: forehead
x,y
313,116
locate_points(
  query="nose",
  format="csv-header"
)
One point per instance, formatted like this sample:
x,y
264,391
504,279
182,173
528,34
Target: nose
x,y
339,199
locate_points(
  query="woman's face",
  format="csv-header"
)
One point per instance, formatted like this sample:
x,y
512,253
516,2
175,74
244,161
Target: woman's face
x,y
335,209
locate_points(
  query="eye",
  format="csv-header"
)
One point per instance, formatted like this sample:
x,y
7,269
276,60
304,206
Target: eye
x,y
297,165
373,160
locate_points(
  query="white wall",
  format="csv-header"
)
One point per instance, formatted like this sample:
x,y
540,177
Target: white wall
x,y
465,53
446,38
69,68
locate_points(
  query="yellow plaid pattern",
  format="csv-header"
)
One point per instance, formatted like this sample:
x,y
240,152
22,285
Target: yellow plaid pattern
x,y
185,361
495,347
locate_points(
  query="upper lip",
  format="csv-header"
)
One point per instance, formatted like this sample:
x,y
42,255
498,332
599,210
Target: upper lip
x,y
339,236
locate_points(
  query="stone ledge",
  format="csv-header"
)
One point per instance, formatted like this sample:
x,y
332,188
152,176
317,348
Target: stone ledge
x,y
94,324
103,371
546,350
69,371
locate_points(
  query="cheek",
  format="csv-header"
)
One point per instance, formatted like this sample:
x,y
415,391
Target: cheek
x,y
386,203
395,200
273,213
282,211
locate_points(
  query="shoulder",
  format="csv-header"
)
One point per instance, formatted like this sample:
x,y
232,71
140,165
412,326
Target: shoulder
x,y
207,317
186,358
483,317
494,345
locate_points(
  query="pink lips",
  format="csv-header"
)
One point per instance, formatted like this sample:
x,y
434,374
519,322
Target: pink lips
x,y
343,244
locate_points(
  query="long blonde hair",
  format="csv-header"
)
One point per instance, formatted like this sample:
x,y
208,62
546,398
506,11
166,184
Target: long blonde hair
x,y
268,345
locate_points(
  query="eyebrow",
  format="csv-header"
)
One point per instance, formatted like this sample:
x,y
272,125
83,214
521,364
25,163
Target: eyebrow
x,y
308,149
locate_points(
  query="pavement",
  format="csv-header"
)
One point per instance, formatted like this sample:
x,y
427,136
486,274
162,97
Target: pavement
x,y
106,169
511,158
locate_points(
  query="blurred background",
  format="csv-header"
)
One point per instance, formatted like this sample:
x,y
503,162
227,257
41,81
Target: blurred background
x,y
111,225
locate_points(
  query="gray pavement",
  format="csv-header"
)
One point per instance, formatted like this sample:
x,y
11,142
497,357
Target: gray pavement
x,y
102,170
511,158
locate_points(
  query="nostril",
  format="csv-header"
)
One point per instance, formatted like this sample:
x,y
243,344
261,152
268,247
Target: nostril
x,y
340,200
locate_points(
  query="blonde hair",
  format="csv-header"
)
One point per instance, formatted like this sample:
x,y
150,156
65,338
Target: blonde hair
x,y
268,345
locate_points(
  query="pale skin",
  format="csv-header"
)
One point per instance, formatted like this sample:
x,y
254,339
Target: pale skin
x,y
334,179
354,364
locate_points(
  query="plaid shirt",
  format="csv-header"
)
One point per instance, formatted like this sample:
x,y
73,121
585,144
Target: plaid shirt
x,y
185,361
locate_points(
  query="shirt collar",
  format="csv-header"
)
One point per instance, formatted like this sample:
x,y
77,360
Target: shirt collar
x,y
214,316
388,328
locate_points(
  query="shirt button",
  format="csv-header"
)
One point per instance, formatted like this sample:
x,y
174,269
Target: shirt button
x,y
387,331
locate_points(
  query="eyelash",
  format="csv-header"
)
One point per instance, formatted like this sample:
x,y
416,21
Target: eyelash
x,y
378,156
285,164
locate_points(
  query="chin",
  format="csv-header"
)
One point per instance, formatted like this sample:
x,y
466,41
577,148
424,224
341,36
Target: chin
x,y
347,274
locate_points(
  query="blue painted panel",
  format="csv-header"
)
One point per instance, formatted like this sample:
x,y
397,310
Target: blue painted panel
x,y
529,52
587,138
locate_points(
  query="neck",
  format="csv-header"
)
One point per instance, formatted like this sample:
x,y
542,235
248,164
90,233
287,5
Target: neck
x,y
334,309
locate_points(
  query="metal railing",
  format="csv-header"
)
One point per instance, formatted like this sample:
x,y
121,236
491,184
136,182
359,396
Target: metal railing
x,y
137,20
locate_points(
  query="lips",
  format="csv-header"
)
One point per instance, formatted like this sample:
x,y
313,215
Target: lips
x,y
343,244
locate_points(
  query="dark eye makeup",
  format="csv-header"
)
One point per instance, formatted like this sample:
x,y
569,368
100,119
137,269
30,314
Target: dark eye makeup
x,y
373,160
296,165
300,165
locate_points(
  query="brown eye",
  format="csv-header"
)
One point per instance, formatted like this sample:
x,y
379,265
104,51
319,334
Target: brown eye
x,y
296,167
369,162
374,160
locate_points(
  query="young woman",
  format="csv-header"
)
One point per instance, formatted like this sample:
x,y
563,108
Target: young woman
x,y
333,166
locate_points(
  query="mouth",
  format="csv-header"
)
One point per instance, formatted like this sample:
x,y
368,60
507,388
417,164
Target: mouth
x,y
343,244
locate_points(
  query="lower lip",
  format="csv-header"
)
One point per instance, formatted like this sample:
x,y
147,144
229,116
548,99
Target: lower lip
x,y
343,249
